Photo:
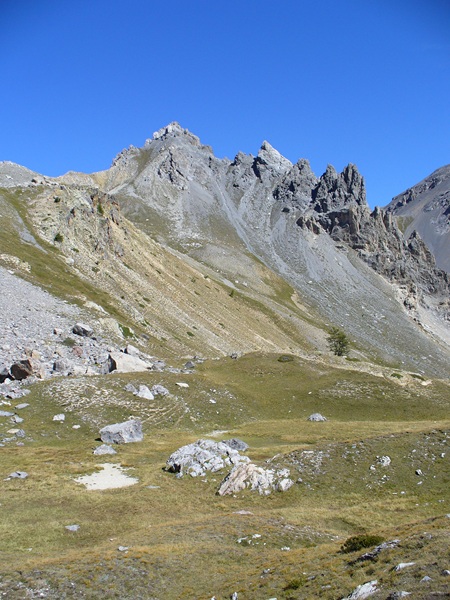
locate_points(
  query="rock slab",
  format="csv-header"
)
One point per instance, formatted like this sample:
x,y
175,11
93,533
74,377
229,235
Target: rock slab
x,y
122,433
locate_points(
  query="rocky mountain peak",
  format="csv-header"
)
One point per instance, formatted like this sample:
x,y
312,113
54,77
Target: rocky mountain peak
x,y
339,190
174,130
269,163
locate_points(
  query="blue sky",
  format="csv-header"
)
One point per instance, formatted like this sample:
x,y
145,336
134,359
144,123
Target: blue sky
x,y
361,81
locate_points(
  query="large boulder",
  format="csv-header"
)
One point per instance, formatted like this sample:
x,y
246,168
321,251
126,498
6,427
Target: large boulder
x,y
82,330
126,363
202,456
255,478
122,433
22,369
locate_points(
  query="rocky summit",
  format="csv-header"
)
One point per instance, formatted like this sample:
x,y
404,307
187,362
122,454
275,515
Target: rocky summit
x,y
268,356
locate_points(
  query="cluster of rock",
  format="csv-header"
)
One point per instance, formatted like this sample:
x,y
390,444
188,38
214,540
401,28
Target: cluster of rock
x,y
202,456
208,456
43,339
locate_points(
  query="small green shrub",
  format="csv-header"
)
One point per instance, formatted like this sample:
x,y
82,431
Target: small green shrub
x,y
416,376
295,584
285,358
358,542
100,209
190,334
126,331
69,342
58,237
397,375
57,199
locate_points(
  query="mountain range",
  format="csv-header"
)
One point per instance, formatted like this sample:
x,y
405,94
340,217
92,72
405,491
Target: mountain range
x,y
254,253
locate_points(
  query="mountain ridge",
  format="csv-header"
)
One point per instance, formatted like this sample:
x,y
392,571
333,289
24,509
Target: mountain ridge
x,y
315,233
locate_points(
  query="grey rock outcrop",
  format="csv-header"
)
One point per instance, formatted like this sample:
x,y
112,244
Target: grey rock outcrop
x,y
202,456
255,478
122,433
363,591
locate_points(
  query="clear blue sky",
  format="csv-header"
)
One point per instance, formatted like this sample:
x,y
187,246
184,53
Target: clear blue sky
x,y
334,81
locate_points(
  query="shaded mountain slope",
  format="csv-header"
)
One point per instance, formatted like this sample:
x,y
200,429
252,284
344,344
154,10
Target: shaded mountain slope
x,y
425,208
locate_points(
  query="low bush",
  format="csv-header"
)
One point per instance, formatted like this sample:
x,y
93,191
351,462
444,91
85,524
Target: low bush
x,y
358,542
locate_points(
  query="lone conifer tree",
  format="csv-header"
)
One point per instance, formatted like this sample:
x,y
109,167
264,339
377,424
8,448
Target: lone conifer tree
x,y
338,341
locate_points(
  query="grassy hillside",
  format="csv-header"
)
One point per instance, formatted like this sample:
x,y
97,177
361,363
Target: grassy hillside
x,y
183,540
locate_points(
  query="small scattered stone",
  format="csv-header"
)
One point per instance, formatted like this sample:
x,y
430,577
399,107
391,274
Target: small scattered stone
x,y
317,417
5,413
18,475
189,365
236,444
159,390
82,330
144,392
182,385
122,548
61,417
130,388
72,527
426,579
23,405
104,449
402,566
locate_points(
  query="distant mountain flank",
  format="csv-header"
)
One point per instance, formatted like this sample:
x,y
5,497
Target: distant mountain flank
x,y
425,208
